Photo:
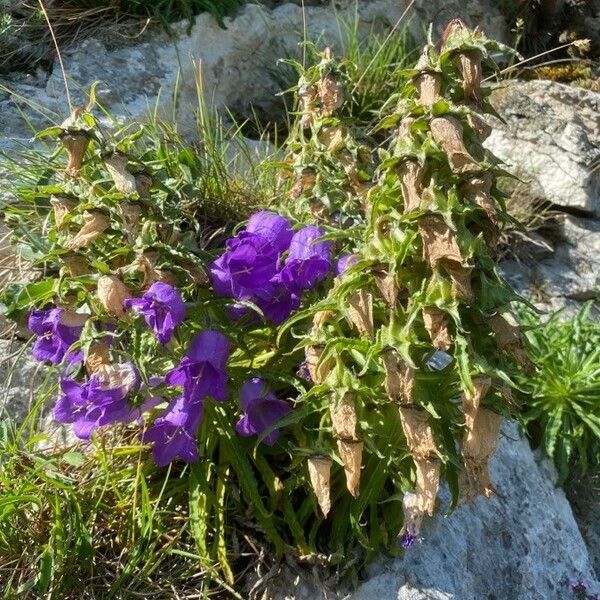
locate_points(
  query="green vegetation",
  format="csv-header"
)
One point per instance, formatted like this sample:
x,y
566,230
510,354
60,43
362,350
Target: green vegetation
x,y
561,397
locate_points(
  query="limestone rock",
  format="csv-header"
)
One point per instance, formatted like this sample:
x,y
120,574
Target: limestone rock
x,y
551,135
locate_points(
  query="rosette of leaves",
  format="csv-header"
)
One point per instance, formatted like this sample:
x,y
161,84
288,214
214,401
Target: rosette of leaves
x,y
414,350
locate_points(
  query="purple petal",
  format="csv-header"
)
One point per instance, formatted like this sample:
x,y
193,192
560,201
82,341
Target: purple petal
x,y
345,262
273,227
210,346
304,245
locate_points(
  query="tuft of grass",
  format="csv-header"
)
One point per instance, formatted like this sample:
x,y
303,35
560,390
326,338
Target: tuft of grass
x,y
562,408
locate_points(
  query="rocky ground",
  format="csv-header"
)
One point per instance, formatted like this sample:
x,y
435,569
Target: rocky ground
x,y
527,542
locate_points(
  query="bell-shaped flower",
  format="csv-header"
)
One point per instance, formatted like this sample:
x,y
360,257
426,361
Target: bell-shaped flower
x,y
345,262
262,409
102,400
56,330
252,257
308,261
277,302
174,434
162,307
201,372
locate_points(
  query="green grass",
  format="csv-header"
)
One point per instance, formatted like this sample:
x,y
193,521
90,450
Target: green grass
x,y
562,408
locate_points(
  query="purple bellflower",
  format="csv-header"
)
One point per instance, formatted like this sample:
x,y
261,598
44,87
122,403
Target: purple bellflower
x,y
345,262
174,434
262,409
308,261
102,400
56,330
202,372
162,308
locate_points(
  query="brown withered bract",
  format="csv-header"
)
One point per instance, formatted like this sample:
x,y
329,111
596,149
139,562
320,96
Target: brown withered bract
x,y
75,143
387,287
77,264
343,416
477,190
479,125
143,184
331,95
410,173
332,138
360,311
508,339
130,212
319,471
112,292
95,224
145,263
469,65
61,206
116,165
448,133
436,324
439,240
318,370
399,378
418,433
428,85
98,355
308,104
304,184
351,455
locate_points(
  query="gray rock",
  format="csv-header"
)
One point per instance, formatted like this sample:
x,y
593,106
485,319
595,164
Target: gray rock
x,y
551,134
522,544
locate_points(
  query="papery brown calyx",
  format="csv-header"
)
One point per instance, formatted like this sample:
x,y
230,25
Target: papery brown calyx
x,y
448,134
331,95
62,206
468,64
308,104
343,416
360,311
75,143
410,173
94,225
116,165
319,471
509,340
399,378
304,184
145,263
418,433
428,85
477,190
97,356
112,292
436,324
351,455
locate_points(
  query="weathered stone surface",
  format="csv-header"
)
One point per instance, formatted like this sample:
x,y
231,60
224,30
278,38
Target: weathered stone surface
x,y
551,134
522,544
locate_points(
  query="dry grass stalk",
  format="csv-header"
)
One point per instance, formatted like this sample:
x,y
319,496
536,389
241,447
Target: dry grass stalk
x,y
448,133
411,173
95,223
112,292
62,207
436,324
351,455
75,144
428,86
418,433
343,416
319,471
399,378
360,311
98,355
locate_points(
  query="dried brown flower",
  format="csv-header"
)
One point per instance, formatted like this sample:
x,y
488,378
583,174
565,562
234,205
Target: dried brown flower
x,y
428,86
308,104
448,133
436,324
331,95
410,173
62,207
304,184
469,65
418,433
477,190
399,378
508,339
343,416
318,370
319,471
351,455
332,138
428,484
360,311
76,263
97,356
95,223
116,165
75,144
112,292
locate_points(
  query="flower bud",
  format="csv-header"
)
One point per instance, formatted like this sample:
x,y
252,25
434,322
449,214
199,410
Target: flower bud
x,y
94,225
351,455
112,292
319,471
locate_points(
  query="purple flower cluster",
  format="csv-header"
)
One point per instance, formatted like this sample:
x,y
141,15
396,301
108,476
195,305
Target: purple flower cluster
x,y
102,400
56,330
253,268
